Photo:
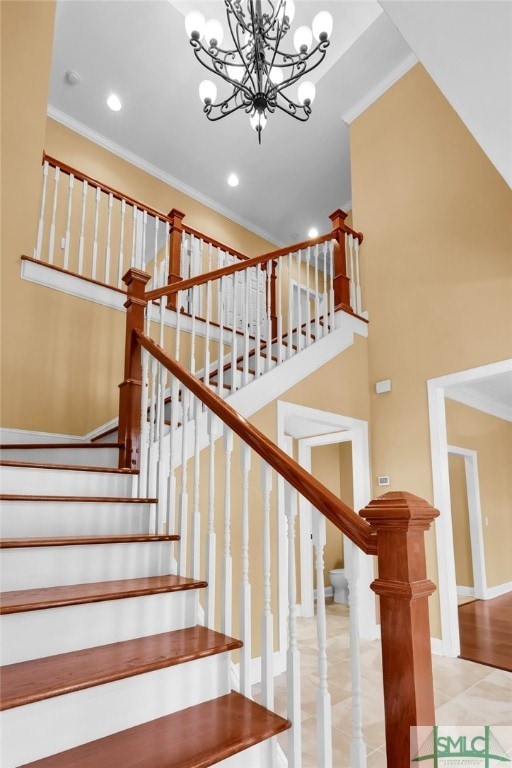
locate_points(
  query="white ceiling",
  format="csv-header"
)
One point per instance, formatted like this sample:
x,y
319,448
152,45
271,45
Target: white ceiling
x,y
491,394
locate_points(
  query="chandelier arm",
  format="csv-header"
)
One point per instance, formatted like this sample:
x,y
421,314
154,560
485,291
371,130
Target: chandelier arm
x,y
239,48
222,108
294,110
199,48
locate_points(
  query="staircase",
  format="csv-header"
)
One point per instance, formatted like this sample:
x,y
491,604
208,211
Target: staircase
x,y
103,662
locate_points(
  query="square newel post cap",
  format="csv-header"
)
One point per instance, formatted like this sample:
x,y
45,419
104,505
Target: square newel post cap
x,y
399,510
337,218
134,275
176,218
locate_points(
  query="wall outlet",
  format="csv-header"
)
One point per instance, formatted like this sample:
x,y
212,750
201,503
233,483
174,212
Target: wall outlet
x,y
383,480
63,242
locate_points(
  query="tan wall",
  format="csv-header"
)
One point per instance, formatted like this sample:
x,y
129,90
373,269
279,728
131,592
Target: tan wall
x,y
62,357
491,438
436,266
460,521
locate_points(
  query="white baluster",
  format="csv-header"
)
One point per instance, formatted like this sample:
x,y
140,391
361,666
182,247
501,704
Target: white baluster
x,y
161,466
245,326
257,330
155,253
357,744
269,317
120,261
332,319
245,587
51,246
142,255
195,544
173,453
279,276
183,509
144,425
234,352
107,248
293,655
227,572
95,237
207,333
317,297
133,256
325,294
211,537
68,221
267,619
299,301
290,307
40,228
210,257
349,257
165,275
308,293
359,305
192,367
153,402
220,361
323,699
81,242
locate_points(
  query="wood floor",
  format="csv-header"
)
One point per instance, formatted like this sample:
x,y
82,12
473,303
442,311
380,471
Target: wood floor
x,y
486,631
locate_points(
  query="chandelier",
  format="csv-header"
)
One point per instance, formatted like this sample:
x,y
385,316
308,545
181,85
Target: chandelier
x,y
255,68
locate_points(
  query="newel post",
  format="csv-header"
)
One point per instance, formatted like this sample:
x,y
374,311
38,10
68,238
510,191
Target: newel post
x,y
175,232
341,279
130,388
400,520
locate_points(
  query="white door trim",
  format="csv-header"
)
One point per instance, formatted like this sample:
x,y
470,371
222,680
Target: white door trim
x,y
475,519
436,389
321,428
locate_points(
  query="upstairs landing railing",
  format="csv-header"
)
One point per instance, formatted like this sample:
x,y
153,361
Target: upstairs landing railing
x,y
93,231
217,510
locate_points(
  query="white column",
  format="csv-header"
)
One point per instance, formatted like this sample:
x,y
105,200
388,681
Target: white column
x,y
211,535
40,228
245,587
323,699
267,619
227,577
357,744
293,655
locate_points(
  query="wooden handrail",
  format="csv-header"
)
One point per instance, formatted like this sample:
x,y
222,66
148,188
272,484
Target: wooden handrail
x,y
215,274
340,514
215,243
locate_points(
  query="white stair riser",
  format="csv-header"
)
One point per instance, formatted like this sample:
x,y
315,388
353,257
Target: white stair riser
x,y
67,518
35,634
82,457
51,726
38,567
69,482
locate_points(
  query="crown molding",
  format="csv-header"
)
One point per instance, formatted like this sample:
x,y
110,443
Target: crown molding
x,y
381,87
158,173
469,397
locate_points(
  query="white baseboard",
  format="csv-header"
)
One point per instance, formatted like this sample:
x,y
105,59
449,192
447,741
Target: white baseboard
x,y
498,590
328,592
466,591
25,436
436,646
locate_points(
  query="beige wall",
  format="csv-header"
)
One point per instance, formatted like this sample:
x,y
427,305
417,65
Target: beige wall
x,y
491,438
460,521
62,357
436,266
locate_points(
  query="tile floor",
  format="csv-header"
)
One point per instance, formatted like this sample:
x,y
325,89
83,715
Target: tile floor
x,y
465,693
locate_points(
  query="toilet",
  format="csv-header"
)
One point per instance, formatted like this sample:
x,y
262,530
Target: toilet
x,y
340,585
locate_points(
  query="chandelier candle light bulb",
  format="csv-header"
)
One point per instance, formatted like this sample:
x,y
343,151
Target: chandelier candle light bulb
x,y
256,71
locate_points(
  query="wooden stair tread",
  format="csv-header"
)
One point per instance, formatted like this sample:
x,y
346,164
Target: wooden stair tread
x,y
63,541
95,499
196,737
21,600
29,681
44,446
76,467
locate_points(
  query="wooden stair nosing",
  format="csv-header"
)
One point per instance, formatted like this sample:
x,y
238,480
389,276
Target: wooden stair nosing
x,y
73,499
68,541
76,467
196,737
37,679
19,601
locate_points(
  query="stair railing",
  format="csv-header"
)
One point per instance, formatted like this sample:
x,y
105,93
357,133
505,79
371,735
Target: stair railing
x,y
218,514
94,231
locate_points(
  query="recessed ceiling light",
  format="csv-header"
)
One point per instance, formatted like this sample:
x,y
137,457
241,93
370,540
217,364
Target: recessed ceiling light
x,y
313,232
233,180
114,102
